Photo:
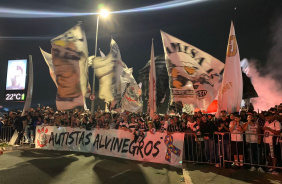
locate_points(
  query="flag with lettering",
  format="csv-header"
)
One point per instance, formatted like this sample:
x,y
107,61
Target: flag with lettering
x,y
70,61
231,91
195,75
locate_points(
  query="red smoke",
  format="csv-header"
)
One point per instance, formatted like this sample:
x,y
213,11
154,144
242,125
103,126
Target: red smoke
x,y
268,89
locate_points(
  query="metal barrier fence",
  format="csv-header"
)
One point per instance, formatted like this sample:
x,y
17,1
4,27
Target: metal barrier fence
x,y
221,149
6,134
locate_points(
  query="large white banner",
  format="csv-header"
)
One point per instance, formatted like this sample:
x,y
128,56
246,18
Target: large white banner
x,y
158,147
195,76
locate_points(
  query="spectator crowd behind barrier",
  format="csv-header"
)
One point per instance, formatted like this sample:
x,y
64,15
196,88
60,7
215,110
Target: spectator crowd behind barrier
x,y
246,138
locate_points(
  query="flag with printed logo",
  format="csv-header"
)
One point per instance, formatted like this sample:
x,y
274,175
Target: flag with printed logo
x,y
131,100
69,57
231,91
131,93
195,76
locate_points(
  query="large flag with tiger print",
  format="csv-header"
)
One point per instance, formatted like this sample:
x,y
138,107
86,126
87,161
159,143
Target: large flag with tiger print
x,y
195,76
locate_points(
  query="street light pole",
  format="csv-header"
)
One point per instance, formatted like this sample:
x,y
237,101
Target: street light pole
x,y
93,85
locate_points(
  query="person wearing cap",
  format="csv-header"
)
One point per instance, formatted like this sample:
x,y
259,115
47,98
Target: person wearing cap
x,y
271,128
223,113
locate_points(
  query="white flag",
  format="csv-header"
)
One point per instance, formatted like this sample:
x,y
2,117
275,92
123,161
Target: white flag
x,y
152,85
131,101
69,57
231,91
131,93
101,53
48,59
109,69
140,85
195,76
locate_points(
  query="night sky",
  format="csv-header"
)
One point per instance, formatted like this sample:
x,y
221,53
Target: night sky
x,y
205,25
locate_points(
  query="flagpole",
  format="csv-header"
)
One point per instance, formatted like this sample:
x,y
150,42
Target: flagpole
x,y
234,15
93,85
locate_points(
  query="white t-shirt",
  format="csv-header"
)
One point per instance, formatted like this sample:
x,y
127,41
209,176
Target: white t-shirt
x,y
275,125
252,134
165,125
236,135
190,124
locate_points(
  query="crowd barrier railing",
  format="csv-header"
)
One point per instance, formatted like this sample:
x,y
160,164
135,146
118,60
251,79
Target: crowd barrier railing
x,y
6,134
242,149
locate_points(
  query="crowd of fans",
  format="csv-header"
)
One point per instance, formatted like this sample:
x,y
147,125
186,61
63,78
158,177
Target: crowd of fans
x,y
245,137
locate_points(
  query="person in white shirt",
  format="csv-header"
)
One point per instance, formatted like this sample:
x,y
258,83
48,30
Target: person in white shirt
x,y
190,122
253,141
271,128
237,145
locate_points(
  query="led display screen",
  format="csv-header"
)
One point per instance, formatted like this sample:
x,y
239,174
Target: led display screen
x,y
16,74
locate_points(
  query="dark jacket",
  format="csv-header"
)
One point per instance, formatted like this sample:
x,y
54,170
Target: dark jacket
x,y
207,129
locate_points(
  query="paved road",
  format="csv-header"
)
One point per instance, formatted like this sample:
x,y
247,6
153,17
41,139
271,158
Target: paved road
x,y
204,173
41,166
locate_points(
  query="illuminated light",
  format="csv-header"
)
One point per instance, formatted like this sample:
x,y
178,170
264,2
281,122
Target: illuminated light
x,y
104,13
101,6
23,96
22,13
161,6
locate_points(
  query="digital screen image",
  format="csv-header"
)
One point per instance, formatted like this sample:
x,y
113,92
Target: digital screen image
x,y
16,74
